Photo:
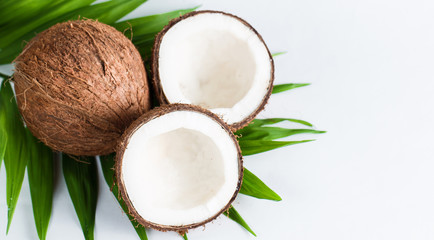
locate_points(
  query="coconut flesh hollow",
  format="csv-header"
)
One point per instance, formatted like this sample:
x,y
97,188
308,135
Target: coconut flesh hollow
x,y
214,60
178,167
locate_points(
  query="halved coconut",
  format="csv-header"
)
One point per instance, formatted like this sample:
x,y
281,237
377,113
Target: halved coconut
x,y
215,60
178,167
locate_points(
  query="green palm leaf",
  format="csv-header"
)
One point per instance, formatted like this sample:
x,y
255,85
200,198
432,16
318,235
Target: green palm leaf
x,y
14,33
250,147
40,173
3,134
288,86
20,12
107,12
270,121
149,24
278,54
257,137
272,133
254,187
15,154
236,217
3,142
107,164
81,178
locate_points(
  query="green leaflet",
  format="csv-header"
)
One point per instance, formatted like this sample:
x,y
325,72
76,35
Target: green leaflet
x,y
144,29
272,133
185,236
107,164
8,54
3,142
14,33
19,12
40,171
107,12
278,54
258,138
285,87
16,154
270,121
254,187
3,135
250,147
235,216
149,24
81,178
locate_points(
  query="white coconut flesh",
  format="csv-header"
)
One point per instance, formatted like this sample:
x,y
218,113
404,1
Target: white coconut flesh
x,y
215,61
180,168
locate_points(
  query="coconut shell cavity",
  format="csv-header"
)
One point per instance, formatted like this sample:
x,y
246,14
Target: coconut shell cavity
x,y
178,167
215,60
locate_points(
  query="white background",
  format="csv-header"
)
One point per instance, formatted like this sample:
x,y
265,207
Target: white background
x,y
371,65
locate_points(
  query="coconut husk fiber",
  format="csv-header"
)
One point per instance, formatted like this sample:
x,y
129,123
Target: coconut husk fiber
x,y
79,85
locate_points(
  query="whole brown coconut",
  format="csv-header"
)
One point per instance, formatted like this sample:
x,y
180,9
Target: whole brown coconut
x,y
79,85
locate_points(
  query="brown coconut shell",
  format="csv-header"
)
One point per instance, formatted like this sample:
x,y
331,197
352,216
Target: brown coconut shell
x,y
79,85
155,113
156,80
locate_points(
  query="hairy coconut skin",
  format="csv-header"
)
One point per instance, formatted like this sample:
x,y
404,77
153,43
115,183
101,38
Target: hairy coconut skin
x,y
156,80
155,113
79,85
